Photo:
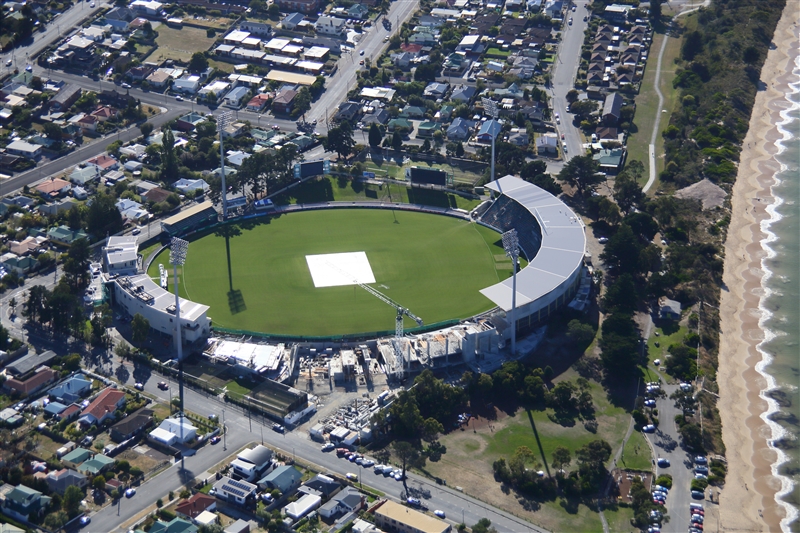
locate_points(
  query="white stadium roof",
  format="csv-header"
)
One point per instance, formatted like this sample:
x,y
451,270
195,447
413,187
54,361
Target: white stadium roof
x,y
562,248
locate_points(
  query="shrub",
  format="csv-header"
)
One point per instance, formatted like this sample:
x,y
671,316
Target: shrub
x,y
665,480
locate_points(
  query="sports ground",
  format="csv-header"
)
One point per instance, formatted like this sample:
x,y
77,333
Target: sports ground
x,y
433,265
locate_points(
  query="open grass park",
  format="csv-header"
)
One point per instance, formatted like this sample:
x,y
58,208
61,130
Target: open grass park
x,y
471,450
255,275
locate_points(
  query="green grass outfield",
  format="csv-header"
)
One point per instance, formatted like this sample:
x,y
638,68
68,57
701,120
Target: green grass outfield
x,y
432,264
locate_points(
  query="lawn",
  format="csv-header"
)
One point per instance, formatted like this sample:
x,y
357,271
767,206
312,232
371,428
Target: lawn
x,y
619,519
434,265
389,168
647,105
179,44
470,454
636,455
496,52
657,346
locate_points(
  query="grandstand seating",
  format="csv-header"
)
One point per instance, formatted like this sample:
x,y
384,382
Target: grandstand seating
x,y
505,214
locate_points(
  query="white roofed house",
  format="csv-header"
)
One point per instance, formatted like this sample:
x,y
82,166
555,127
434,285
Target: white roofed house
x,y
131,210
186,84
174,431
121,255
189,185
217,88
330,25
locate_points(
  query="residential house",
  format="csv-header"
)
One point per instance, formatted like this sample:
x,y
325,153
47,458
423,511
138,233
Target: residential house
x,y
349,500
379,117
358,11
65,236
612,109
173,431
427,128
605,133
20,265
54,409
460,129
102,408
176,525
547,144
96,465
187,84
413,111
304,505
53,188
519,137
131,210
610,160
284,478
59,480
24,503
258,102
348,111
76,457
489,130
463,93
553,8
84,173
104,162
470,44
198,503
33,383
240,526
131,425
185,185
29,245
436,90
512,91
291,21
156,195
24,149
400,124
71,390
189,121
233,491
330,25
391,516
158,79
456,63
250,464
234,98
321,485
87,123
28,363
616,13
79,193
284,102
65,97
256,28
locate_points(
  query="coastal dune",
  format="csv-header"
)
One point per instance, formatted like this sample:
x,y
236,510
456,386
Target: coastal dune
x,y
748,501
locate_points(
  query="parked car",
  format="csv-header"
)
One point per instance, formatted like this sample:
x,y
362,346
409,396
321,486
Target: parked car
x,y
163,385
698,494
215,439
650,403
701,470
649,428
85,519
328,447
700,460
130,492
439,513
663,462
414,502
351,476
125,85
279,428
138,386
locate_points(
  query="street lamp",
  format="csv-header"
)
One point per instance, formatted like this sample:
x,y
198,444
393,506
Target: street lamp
x,y
223,121
511,246
490,108
177,256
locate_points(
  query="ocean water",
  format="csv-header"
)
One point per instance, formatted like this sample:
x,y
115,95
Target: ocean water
x,y
780,305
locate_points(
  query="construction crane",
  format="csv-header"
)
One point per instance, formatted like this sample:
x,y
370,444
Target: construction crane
x,y
399,330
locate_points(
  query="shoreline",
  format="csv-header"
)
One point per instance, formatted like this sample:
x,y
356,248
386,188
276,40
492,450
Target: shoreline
x,y
748,501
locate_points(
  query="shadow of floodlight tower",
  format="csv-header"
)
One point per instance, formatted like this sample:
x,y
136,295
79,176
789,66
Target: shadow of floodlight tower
x,y
511,246
177,256
223,121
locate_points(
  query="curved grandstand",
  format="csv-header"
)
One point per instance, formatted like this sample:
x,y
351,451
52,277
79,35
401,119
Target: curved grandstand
x,y
552,238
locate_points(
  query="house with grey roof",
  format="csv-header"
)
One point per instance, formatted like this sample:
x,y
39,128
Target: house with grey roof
x,y
463,93
59,480
71,390
347,501
612,109
284,478
460,129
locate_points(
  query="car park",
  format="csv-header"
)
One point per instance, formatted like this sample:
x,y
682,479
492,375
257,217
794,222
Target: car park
x,y
130,492
439,513
663,462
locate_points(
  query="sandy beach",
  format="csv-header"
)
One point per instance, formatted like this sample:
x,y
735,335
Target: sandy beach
x,y
747,502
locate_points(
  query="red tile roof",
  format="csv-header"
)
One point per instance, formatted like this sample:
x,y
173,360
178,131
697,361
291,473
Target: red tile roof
x,y
69,411
106,402
103,161
42,376
195,505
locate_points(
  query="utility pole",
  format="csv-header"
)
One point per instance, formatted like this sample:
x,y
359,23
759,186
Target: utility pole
x,y
224,432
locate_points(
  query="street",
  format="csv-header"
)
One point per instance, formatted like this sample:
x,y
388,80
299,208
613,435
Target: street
x,y
563,79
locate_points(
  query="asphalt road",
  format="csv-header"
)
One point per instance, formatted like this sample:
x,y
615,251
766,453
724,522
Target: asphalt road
x,y
566,68
243,430
338,85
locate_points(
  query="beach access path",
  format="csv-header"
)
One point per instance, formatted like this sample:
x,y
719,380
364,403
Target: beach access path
x,y
748,501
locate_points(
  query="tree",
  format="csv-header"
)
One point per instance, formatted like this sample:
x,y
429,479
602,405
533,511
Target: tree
x,y
35,306
375,135
619,344
405,452
627,191
169,159
572,96
146,129
622,251
594,454
99,481
397,141
460,149
198,63
302,102
580,333
536,172
71,502
53,131
13,305
561,458
581,172
76,265
340,140
484,525
274,11
141,328
103,218
583,108
431,429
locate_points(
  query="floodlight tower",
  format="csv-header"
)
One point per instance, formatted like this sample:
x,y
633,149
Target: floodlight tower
x,y
223,121
490,108
511,246
177,256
